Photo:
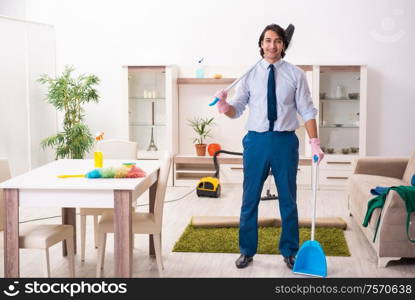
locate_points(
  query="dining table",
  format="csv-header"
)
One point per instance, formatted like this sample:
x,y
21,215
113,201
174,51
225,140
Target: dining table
x,y
41,187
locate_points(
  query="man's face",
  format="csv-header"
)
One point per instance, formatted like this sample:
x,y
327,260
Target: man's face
x,y
272,46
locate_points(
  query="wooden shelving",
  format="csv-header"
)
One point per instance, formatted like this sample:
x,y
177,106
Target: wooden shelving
x,y
189,80
189,169
206,160
306,68
205,80
340,68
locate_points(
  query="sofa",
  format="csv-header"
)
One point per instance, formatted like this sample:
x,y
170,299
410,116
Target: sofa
x,y
391,241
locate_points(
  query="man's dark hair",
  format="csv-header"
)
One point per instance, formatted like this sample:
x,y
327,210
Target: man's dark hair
x,y
280,32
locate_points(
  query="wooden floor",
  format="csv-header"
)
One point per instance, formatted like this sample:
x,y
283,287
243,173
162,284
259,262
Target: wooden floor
x,y
361,263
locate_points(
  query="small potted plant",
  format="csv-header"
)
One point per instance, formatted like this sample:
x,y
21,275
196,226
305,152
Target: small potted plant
x,y
345,150
354,149
201,127
330,150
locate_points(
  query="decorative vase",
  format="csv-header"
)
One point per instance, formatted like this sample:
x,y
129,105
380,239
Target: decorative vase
x,y
200,149
212,148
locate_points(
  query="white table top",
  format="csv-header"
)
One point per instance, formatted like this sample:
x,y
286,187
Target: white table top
x,y
45,177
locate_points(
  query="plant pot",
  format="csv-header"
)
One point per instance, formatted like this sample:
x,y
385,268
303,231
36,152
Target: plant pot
x,y
200,149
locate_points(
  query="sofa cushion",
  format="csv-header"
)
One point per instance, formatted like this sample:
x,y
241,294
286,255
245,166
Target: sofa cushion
x,y
410,170
365,182
360,186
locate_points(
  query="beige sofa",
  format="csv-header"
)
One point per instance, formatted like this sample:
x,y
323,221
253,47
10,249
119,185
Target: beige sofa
x,y
391,241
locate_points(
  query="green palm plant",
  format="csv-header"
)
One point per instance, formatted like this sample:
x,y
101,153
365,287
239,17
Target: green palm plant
x,y
68,94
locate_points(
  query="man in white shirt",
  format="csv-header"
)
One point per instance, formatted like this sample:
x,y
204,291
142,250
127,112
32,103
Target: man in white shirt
x,y
275,92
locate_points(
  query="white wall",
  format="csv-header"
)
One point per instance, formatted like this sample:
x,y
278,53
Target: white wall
x,y
99,36
13,8
27,52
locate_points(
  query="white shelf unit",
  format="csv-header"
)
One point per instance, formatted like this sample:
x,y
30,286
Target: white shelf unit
x,y
194,96
342,120
152,108
196,93
152,101
189,169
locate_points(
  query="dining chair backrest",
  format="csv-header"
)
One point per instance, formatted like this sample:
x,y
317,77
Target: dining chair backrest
x,y
165,160
4,175
118,149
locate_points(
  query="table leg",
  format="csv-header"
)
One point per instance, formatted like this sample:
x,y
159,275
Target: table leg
x,y
69,218
123,251
11,238
152,200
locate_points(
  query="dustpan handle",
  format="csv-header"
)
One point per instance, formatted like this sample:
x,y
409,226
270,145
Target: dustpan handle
x,y
314,180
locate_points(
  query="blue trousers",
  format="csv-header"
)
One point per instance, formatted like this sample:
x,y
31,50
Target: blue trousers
x,y
277,150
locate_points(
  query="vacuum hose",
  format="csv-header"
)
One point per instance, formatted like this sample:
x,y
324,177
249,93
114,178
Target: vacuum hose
x,y
215,160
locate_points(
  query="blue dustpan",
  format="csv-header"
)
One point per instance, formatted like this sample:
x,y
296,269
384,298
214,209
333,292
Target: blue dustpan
x,y
311,259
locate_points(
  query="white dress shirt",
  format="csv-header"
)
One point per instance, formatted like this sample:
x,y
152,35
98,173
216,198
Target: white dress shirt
x,y
293,96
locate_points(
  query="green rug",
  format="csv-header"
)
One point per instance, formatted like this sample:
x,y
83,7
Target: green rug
x,y
225,240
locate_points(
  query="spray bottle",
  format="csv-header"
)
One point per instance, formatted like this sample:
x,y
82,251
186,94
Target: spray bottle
x,y
200,71
98,156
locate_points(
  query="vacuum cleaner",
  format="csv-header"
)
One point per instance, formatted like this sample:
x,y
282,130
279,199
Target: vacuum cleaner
x,y
210,186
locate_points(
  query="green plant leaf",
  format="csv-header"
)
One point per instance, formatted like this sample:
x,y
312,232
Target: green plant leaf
x,y
67,93
201,127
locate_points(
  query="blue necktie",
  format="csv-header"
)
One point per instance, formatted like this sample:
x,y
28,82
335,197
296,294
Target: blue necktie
x,y
272,98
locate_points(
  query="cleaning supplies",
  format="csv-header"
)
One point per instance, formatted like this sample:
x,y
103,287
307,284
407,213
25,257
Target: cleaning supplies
x,y
127,170
210,186
98,156
311,259
98,159
200,71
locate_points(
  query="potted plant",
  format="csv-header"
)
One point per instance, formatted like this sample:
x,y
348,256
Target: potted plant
x,y
68,94
201,127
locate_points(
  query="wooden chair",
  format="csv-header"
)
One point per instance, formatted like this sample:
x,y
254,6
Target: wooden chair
x,y
39,236
142,223
111,149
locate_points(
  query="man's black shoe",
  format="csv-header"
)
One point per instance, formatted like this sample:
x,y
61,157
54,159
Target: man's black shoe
x,y
290,261
243,261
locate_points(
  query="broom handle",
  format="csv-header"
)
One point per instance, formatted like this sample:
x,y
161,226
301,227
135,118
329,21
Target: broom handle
x,y
216,100
314,183
240,78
